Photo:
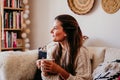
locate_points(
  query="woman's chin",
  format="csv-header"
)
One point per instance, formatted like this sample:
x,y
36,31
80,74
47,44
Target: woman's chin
x,y
54,40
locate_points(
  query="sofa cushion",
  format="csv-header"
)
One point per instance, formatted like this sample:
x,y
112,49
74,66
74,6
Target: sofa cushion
x,y
112,54
97,55
17,65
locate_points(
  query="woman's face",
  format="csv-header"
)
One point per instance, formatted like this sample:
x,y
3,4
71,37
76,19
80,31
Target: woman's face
x,y
57,32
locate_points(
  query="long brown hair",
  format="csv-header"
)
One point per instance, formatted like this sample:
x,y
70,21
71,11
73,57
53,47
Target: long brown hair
x,y
74,39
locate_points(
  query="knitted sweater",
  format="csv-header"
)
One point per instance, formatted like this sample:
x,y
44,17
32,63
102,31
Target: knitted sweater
x,y
82,64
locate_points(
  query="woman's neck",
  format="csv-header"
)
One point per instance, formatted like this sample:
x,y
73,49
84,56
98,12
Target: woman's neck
x,y
64,45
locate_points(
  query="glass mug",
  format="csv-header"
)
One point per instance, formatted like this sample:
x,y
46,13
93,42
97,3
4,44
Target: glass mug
x,y
41,67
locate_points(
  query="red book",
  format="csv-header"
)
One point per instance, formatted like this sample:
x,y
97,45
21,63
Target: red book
x,y
5,3
14,40
13,4
119,78
5,44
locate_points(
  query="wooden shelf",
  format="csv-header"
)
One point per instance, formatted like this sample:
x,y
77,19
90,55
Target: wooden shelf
x,y
10,25
9,8
8,29
12,48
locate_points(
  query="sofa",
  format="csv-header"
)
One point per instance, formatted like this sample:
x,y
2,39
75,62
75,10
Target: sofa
x,y
17,65
103,54
105,63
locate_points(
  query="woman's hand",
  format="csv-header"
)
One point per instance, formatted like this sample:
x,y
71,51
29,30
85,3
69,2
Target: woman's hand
x,y
50,67
38,63
47,67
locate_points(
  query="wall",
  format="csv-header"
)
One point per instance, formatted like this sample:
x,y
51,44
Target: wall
x,y
101,28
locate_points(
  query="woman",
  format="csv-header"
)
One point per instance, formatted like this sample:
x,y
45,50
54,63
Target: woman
x,y
71,58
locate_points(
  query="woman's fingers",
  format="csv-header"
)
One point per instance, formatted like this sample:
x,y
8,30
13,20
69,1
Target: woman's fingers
x,y
47,62
46,66
38,63
49,66
44,73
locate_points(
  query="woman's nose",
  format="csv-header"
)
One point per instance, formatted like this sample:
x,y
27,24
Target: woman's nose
x,y
51,31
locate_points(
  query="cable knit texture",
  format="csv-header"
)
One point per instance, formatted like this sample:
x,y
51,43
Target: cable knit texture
x,y
82,63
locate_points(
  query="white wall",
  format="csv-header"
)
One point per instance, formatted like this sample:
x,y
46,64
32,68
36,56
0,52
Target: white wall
x,y
103,29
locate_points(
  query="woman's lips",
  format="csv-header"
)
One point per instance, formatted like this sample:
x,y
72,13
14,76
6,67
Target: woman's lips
x,y
53,35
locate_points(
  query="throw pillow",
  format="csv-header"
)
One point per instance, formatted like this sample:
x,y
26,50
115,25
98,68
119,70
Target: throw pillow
x,y
97,55
107,71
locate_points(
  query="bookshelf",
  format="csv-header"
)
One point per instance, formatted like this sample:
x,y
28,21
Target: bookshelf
x,y
12,19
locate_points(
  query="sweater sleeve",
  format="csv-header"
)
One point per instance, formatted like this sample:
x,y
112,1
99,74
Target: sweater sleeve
x,y
83,67
51,77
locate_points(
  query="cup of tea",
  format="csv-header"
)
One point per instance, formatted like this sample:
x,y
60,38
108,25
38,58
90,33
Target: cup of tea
x,y
42,60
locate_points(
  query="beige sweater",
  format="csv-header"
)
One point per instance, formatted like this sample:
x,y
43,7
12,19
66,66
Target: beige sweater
x,y
82,62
